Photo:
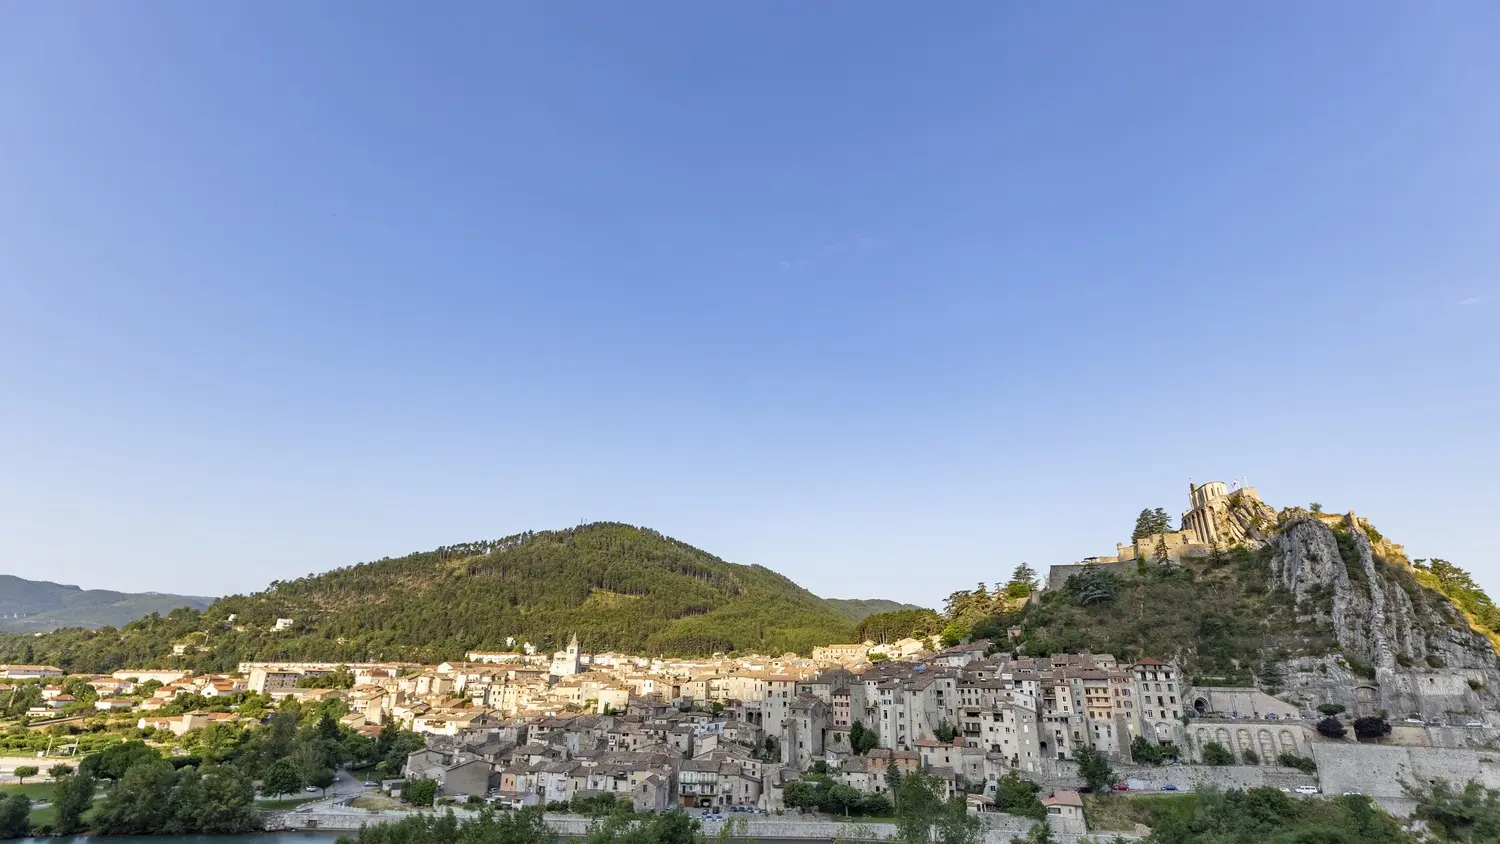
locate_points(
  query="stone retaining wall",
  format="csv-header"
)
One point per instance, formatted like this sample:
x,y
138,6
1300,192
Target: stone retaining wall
x,y
1001,828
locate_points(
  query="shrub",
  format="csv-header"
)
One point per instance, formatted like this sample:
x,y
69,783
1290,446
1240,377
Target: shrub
x,y
1371,727
1217,754
1250,757
1301,763
1332,728
419,792
1331,708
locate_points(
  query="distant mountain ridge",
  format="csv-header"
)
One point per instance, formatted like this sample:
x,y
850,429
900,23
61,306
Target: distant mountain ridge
x,y
859,609
38,606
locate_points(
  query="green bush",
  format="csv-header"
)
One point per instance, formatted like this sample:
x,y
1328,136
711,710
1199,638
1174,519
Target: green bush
x,y
1301,763
419,792
1215,753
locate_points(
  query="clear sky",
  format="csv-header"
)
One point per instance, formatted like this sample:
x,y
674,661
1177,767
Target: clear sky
x,y
888,297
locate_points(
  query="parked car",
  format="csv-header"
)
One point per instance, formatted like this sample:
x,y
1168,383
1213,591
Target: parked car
x,y
1353,794
1169,788
1416,721
312,789
370,783
1307,789
1122,787
1474,724
1271,716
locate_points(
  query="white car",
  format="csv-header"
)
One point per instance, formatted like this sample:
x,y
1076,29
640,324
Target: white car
x,y
1307,789
1474,724
1353,794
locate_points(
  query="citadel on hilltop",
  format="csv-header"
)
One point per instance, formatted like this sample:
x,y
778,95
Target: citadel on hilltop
x,y
1205,525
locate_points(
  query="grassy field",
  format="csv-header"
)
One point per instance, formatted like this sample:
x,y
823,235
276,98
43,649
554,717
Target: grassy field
x,y
35,790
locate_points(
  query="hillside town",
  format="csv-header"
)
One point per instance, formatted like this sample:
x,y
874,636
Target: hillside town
x,y
729,734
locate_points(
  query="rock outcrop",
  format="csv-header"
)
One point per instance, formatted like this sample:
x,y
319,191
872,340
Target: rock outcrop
x,y
1241,518
1401,648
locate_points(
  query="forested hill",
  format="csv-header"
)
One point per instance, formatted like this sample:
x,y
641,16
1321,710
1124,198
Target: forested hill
x,y
618,587
37,605
859,609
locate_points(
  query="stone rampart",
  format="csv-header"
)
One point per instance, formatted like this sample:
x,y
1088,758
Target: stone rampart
x,y
1378,770
1000,828
1059,575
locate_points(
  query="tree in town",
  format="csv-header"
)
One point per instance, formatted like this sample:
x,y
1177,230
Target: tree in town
x,y
15,815
1150,522
419,791
923,815
1092,586
861,739
139,803
1332,728
60,770
24,772
1145,752
1023,582
72,795
800,795
281,777
1016,796
945,732
1215,753
1371,727
321,779
1094,769
1331,708
1040,833
226,805
112,762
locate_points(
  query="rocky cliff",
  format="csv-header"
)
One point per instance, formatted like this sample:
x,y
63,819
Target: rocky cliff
x,y
1241,518
1401,647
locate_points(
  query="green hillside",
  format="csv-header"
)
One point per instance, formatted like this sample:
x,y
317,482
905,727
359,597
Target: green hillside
x,y
859,609
35,606
618,587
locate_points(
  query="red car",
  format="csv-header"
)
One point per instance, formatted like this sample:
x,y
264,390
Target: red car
x,y
1122,788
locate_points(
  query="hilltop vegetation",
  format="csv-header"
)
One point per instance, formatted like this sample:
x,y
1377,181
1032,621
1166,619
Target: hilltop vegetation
x,y
859,609
617,587
44,606
1240,615
1214,616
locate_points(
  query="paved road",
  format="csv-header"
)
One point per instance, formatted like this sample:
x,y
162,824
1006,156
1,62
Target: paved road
x,y
345,785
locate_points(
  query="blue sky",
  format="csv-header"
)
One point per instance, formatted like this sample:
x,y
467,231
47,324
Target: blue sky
x,y
886,297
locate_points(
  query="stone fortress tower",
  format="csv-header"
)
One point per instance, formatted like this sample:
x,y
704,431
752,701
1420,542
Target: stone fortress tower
x,y
1206,524
1218,516
1198,518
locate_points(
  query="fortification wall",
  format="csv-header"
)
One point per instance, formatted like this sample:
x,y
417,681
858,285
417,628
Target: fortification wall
x,y
1378,770
1000,828
1059,575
